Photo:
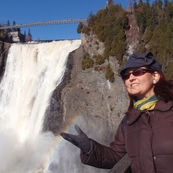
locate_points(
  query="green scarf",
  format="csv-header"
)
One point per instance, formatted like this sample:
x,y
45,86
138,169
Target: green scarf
x,y
146,104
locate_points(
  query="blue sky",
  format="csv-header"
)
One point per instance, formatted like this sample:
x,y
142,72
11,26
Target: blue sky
x,y
24,11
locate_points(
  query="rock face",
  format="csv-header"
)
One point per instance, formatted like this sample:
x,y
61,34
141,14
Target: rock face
x,y
92,45
90,95
86,98
87,94
4,47
16,36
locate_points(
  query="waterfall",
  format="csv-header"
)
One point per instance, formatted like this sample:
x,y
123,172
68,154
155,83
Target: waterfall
x,y
32,73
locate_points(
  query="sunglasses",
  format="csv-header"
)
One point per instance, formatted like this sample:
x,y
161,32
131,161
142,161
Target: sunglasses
x,y
136,72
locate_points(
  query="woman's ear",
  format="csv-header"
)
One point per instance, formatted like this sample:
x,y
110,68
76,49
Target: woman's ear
x,y
156,77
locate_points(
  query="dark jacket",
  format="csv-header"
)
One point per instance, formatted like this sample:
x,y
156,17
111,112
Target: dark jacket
x,y
147,138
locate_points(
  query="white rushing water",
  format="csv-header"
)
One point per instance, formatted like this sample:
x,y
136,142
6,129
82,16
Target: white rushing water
x,y
32,73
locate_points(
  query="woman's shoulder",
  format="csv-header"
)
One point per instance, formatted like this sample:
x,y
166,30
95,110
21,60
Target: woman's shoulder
x,y
164,105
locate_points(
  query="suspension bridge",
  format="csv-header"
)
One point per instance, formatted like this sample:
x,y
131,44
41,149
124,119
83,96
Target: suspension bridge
x,y
45,23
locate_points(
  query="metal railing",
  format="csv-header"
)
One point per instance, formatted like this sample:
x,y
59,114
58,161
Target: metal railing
x,y
45,23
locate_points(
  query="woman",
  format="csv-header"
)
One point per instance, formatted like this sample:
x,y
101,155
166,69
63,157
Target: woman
x,y
146,132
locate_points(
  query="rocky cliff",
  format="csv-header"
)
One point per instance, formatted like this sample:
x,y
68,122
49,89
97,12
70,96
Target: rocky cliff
x,y
4,47
88,94
88,99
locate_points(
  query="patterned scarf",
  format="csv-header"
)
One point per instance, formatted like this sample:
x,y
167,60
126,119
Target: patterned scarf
x,y
146,104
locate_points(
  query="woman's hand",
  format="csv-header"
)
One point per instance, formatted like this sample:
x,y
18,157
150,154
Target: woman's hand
x,y
81,140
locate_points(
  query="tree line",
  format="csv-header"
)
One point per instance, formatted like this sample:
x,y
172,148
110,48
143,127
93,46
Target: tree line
x,y
155,23
108,24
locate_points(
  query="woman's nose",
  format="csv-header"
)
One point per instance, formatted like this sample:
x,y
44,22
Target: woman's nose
x,y
132,77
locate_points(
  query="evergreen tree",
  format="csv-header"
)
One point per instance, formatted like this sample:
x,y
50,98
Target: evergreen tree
x,y
80,27
29,36
165,3
160,4
8,23
25,37
140,3
24,33
155,23
135,5
169,10
14,23
148,3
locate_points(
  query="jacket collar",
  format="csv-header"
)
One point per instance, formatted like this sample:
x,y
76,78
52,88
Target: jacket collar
x,y
161,106
133,115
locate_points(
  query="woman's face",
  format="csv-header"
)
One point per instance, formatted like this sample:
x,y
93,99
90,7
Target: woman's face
x,y
141,85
